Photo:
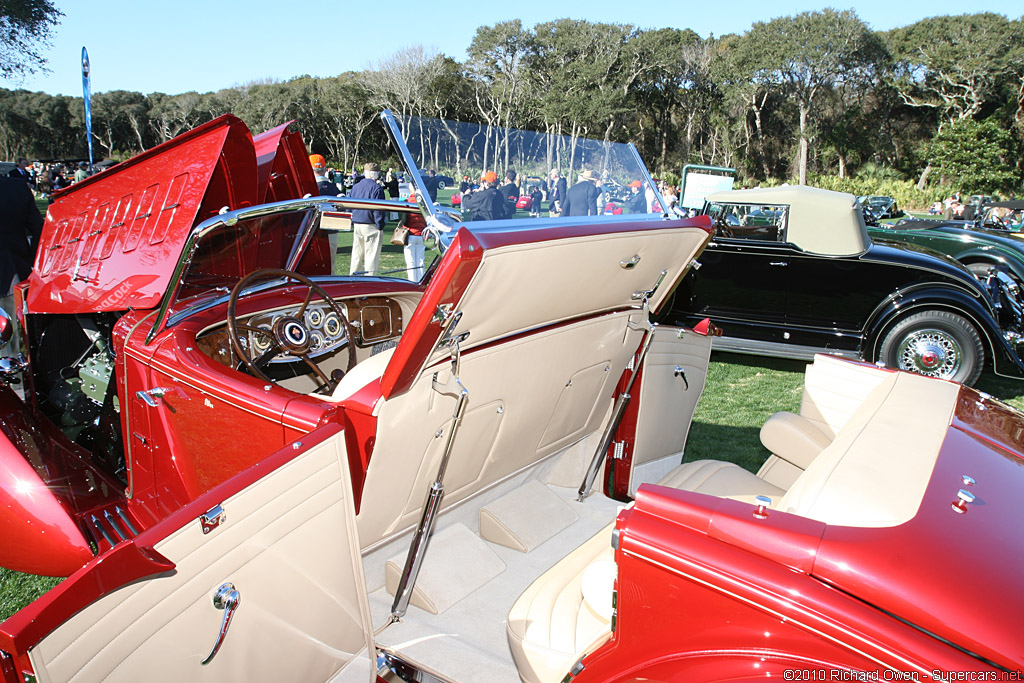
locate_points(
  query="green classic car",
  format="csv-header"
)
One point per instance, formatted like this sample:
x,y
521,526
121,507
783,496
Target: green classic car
x,y
979,246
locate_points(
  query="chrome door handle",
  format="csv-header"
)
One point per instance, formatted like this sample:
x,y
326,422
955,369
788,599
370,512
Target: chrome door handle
x,y
150,397
226,598
781,264
680,371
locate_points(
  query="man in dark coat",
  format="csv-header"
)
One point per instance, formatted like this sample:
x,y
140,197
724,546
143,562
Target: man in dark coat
x,y
20,227
21,171
557,192
487,204
510,191
581,199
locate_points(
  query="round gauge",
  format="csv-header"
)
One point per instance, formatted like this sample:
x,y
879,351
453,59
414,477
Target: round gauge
x,y
332,324
315,317
261,341
316,341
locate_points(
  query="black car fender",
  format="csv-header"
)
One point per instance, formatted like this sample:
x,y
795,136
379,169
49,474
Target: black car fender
x,y
902,303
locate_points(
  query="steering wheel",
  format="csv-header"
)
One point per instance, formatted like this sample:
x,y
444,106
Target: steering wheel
x,y
289,335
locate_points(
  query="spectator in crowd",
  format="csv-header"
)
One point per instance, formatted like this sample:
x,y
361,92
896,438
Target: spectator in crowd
x,y
536,198
671,199
431,182
391,184
58,179
487,204
581,199
19,230
510,191
44,184
21,171
557,192
465,185
82,173
323,186
414,248
367,225
636,202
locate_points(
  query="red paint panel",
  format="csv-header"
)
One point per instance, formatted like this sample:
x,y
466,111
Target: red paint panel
x,y
39,535
955,575
116,227
66,255
446,287
169,208
95,234
140,240
283,170
143,218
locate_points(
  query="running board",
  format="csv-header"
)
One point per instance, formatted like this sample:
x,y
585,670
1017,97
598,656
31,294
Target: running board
x,y
776,349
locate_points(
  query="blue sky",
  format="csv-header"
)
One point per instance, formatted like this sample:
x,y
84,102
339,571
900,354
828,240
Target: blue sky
x,y
185,45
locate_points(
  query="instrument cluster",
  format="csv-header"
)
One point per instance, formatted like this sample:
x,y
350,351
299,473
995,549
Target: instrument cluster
x,y
320,329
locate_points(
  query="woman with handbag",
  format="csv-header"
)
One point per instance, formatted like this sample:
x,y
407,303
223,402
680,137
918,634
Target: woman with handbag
x,y
412,225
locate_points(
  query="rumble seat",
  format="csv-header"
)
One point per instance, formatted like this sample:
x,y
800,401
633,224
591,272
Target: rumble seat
x,y
834,391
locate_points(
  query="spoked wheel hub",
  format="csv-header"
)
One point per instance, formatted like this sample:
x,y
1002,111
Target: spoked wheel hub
x,y
930,352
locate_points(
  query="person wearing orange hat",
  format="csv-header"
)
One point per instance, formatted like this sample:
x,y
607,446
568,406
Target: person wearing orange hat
x,y
324,186
636,202
486,204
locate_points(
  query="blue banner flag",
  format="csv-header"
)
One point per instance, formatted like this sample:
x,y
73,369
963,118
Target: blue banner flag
x,y
87,96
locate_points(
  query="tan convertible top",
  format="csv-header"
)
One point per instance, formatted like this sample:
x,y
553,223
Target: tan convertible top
x,y
819,221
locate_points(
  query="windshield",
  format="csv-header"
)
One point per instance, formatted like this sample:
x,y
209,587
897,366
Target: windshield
x,y
474,172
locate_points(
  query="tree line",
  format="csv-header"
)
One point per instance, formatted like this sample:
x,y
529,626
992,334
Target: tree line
x,y
938,102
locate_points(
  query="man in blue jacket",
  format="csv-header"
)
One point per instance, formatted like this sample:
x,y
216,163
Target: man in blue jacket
x,y
367,226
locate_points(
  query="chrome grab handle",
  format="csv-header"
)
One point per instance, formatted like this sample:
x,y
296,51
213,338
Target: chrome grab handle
x,y
226,598
781,264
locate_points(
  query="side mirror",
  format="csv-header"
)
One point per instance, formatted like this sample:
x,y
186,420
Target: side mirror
x,y
6,328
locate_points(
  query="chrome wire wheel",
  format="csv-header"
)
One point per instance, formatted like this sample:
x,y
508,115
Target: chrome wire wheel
x,y
930,352
939,344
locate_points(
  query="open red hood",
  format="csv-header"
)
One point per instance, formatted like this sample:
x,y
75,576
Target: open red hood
x,y
111,241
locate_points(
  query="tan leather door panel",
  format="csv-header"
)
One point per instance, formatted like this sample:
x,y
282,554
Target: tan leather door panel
x,y
288,545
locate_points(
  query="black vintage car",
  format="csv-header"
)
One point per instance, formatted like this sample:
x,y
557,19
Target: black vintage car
x,y
792,272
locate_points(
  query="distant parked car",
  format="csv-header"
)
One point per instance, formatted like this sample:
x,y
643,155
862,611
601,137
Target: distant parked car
x,y
880,207
792,272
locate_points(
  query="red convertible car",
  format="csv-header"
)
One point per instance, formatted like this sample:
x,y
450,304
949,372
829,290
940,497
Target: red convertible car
x,y
253,465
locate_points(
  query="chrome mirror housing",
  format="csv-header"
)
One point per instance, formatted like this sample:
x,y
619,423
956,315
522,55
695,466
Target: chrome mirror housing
x,y
6,328
11,368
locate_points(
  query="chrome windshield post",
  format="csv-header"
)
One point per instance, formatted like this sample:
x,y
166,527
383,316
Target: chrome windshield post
x,y
418,548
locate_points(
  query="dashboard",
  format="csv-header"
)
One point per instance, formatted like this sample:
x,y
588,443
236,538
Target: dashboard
x,y
374,320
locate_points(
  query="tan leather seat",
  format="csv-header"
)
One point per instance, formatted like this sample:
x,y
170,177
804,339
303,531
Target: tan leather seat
x,y
718,478
552,624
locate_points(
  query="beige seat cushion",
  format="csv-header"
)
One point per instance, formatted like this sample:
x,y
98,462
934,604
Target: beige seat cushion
x,y
551,624
793,438
876,470
718,478
358,377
